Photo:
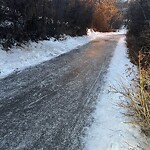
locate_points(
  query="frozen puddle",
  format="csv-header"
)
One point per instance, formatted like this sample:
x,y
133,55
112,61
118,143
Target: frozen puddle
x,y
109,130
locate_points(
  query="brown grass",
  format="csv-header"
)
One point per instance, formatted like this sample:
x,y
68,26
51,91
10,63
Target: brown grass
x,y
137,97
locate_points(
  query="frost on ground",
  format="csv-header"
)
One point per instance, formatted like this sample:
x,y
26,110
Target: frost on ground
x,y
34,53
109,130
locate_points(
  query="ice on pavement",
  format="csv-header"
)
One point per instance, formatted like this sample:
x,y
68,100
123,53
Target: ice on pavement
x,y
19,58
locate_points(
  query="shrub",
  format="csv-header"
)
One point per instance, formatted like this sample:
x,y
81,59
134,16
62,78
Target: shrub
x,y
137,97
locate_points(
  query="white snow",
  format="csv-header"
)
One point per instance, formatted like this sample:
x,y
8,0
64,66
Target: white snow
x,y
109,130
19,58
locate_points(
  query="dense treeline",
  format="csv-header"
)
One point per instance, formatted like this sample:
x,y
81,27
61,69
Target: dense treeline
x,y
138,37
24,20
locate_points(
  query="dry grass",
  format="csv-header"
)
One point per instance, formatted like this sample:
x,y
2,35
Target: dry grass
x,y
137,97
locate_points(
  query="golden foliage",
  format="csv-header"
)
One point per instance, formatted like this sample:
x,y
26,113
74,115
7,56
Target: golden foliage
x,y
104,12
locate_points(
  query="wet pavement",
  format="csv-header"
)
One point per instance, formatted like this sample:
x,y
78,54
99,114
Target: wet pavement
x,y
48,106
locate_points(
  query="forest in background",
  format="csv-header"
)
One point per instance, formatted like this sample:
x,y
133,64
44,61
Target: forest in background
x,y
24,20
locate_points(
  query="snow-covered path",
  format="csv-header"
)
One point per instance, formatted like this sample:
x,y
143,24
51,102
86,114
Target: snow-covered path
x,y
54,94
47,106
109,130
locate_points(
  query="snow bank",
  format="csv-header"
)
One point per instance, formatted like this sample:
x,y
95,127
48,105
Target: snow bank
x,y
34,53
109,130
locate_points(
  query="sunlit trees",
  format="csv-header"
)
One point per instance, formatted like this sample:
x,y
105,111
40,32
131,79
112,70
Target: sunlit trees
x,y
105,13
41,19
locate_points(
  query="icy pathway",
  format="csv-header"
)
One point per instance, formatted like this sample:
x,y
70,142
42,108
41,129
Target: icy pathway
x,y
19,58
109,130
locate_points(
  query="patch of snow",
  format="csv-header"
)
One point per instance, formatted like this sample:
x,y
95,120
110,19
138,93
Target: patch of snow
x,y
19,58
6,23
109,130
